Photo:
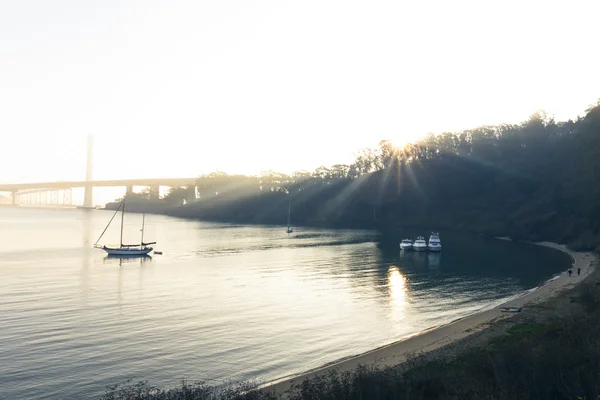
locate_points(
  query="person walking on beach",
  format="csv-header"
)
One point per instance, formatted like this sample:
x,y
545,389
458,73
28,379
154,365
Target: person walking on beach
x,y
578,271
570,271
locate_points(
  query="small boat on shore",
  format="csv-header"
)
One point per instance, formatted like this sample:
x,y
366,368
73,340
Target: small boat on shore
x,y
511,309
406,244
140,249
420,244
434,242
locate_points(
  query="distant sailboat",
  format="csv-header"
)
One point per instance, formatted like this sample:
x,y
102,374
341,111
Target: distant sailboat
x,y
289,228
125,249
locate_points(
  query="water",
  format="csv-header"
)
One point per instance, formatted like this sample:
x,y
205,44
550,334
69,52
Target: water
x,y
224,301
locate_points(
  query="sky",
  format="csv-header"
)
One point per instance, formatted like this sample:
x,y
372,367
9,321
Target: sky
x,y
179,88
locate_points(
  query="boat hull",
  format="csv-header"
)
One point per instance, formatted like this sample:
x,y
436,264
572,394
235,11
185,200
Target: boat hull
x,y
419,248
511,309
435,248
406,246
125,251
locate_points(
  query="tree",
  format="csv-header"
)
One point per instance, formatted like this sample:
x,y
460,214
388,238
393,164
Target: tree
x,y
177,195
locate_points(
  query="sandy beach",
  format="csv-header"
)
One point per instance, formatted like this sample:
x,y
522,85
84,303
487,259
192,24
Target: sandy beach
x,y
438,337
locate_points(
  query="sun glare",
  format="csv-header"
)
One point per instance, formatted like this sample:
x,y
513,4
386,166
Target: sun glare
x,y
398,292
399,143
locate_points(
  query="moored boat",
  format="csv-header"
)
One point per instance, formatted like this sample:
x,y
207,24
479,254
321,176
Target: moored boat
x,y
434,242
127,250
406,244
141,249
420,244
289,228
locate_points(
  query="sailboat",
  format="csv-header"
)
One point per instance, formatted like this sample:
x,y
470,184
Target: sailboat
x,y
140,249
289,228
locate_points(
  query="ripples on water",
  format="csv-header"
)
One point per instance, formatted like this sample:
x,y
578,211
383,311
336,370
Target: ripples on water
x,y
224,301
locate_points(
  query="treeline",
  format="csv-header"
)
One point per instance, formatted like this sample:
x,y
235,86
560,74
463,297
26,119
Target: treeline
x,y
536,180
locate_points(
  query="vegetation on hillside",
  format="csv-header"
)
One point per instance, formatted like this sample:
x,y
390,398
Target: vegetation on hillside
x,y
538,180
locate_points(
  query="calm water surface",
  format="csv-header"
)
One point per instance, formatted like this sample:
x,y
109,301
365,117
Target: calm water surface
x,y
224,301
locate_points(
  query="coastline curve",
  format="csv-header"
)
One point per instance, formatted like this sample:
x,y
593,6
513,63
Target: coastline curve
x,y
438,336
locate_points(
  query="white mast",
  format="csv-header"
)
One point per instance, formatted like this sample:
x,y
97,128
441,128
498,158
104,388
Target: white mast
x,y
122,216
143,221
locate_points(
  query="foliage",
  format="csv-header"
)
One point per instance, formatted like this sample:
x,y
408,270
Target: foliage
x,y
185,391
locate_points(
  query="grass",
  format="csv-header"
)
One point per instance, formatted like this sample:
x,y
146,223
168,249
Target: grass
x,y
517,334
556,357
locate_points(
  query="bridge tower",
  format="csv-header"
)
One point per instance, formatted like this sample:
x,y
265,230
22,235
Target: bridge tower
x,y
87,196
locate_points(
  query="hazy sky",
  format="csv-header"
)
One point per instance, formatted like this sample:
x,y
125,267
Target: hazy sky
x,y
179,88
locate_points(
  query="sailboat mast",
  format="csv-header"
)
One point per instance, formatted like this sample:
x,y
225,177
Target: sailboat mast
x,y
109,222
143,222
122,217
289,211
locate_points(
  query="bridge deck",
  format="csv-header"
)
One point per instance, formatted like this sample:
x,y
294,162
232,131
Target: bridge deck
x,y
9,187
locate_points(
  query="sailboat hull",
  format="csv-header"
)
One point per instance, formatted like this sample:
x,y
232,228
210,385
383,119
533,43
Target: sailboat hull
x,y
127,251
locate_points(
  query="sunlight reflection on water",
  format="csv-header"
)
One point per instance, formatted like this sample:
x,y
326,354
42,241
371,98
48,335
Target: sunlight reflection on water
x,y
398,293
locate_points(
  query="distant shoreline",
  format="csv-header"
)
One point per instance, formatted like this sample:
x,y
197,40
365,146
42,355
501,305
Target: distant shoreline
x,y
178,213
380,226
440,336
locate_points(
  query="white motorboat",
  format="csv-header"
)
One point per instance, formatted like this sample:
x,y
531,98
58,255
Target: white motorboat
x,y
140,249
420,244
434,242
406,244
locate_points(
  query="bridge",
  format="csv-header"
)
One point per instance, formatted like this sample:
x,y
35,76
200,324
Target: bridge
x,y
59,193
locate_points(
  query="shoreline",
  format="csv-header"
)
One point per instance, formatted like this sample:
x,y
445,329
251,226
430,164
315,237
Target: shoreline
x,y
436,337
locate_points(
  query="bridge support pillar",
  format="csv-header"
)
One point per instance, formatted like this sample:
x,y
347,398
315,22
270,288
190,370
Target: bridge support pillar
x,y
87,196
191,195
13,197
67,198
154,192
128,190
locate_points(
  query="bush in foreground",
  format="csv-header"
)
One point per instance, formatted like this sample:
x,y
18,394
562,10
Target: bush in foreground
x,y
185,391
